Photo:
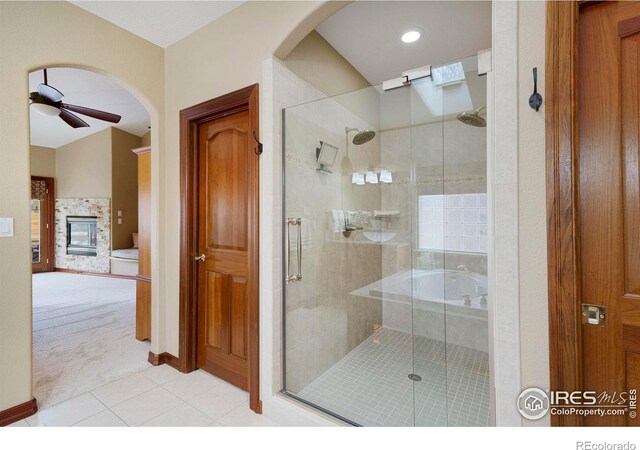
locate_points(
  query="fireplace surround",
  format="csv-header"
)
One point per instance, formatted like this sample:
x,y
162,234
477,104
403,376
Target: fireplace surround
x,y
85,235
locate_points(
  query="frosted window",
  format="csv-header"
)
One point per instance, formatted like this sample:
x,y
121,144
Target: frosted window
x,y
455,222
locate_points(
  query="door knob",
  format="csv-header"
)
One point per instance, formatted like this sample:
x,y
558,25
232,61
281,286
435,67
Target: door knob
x,y
201,257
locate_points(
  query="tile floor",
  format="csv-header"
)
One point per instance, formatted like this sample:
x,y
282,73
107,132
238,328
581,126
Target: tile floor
x,y
370,385
157,396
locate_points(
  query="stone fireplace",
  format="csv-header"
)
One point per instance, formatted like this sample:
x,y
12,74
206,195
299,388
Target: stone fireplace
x,y
83,234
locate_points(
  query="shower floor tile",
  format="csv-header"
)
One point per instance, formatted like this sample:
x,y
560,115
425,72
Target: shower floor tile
x,y
370,385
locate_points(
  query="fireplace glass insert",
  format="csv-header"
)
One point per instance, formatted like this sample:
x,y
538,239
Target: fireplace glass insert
x,y
82,236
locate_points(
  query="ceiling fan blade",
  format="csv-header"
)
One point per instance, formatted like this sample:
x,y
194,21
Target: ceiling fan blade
x,y
96,114
72,119
50,93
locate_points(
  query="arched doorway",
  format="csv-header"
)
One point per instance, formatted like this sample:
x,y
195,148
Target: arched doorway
x,y
84,307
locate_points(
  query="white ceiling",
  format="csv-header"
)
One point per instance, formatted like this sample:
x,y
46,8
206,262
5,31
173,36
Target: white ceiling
x,y
367,34
160,22
84,88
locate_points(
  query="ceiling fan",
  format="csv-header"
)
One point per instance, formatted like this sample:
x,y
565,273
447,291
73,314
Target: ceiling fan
x,y
48,101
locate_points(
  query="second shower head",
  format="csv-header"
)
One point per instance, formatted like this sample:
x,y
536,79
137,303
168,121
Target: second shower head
x,y
361,137
473,118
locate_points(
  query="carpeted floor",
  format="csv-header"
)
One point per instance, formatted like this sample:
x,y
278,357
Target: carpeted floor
x,y
83,334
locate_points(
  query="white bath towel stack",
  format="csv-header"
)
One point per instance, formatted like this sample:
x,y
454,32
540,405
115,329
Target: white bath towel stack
x,y
338,223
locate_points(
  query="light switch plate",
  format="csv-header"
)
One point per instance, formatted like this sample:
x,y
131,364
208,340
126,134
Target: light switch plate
x,y
119,213
6,226
120,221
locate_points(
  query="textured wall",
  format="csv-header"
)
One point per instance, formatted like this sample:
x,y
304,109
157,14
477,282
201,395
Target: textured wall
x,y
43,161
534,325
83,167
52,39
124,191
256,29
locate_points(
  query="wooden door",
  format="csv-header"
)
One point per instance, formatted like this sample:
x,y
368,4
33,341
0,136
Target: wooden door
x,y
609,197
225,195
42,224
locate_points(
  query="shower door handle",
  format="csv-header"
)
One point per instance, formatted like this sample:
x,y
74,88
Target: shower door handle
x,y
299,276
290,278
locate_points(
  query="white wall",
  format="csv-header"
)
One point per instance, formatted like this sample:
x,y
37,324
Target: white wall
x,y
532,224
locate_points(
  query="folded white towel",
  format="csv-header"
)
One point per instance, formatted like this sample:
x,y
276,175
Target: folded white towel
x,y
338,223
306,228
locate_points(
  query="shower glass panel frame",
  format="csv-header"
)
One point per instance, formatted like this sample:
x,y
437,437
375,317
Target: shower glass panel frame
x,y
385,286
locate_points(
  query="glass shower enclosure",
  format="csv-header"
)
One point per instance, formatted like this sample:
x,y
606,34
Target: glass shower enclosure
x,y
385,252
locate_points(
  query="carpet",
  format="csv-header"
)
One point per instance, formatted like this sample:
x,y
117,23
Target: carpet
x,y
83,334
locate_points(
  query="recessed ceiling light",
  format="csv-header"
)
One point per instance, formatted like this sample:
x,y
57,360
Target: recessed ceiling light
x,y
411,35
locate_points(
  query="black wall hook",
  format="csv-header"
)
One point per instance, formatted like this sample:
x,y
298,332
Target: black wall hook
x,y
258,150
535,101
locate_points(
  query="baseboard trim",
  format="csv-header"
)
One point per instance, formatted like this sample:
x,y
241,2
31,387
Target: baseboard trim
x,y
18,412
164,358
96,274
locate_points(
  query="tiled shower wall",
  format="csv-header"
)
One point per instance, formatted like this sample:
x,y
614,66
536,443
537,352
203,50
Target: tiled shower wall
x,y
324,321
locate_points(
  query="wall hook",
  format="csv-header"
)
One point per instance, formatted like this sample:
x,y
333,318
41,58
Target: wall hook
x,y
258,150
535,101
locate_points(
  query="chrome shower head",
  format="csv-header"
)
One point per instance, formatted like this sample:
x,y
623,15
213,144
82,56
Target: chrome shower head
x,y
473,118
362,137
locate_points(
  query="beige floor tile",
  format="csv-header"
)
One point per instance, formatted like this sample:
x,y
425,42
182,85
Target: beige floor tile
x,y
161,374
220,400
242,416
188,385
68,412
102,419
19,423
181,416
146,406
123,389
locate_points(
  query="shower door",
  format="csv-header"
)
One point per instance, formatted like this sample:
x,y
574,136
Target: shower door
x,y
365,258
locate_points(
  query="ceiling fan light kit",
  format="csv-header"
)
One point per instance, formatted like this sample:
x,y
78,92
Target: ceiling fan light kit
x,y
48,101
45,110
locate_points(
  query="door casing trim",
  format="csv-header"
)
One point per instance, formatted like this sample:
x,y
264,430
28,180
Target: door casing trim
x,y
245,99
51,233
563,244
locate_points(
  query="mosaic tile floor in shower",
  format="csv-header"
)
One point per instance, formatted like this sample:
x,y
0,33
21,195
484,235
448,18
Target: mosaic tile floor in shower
x,y
370,385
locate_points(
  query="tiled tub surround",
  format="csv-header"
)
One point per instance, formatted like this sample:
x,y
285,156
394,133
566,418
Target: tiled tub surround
x,y
98,207
431,304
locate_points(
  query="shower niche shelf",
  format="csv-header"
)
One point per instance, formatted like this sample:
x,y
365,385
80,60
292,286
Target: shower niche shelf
x,y
385,214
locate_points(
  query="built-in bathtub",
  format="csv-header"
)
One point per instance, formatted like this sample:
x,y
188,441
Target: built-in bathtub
x,y
438,304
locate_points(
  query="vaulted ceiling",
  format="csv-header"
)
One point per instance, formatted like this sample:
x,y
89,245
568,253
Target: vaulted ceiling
x,y
368,34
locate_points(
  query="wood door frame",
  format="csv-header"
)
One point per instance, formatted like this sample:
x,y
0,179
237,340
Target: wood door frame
x,y
563,222
51,217
245,99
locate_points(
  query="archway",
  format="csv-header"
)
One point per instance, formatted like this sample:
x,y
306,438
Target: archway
x,y
85,318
